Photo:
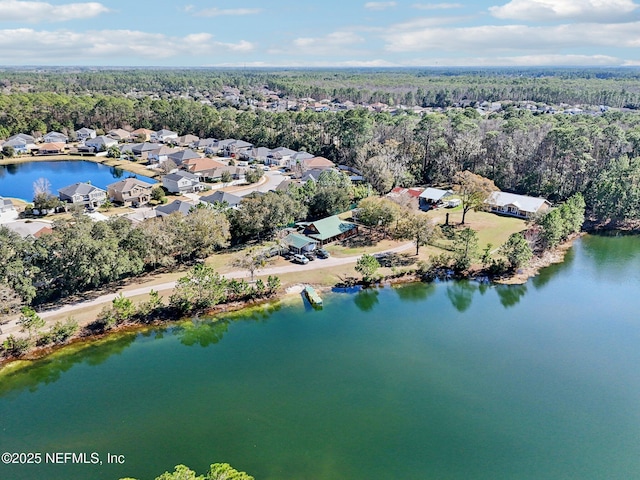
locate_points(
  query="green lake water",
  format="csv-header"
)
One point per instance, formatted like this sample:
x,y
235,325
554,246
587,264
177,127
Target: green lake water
x,y
450,381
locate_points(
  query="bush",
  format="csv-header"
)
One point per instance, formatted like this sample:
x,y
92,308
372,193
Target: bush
x,y
15,347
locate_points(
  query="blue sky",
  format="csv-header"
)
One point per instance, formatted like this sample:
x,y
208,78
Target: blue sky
x,y
320,33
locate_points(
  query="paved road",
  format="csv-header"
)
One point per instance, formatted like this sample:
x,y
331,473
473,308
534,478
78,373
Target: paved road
x,y
13,328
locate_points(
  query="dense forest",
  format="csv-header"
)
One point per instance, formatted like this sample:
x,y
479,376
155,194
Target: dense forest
x,y
615,87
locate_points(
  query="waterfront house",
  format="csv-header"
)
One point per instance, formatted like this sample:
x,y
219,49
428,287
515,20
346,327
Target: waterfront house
x,y
19,145
130,192
28,139
330,229
85,134
83,194
182,182
140,150
51,149
160,154
520,206
101,143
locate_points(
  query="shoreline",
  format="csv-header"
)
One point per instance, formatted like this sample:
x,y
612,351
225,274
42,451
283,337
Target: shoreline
x,y
286,295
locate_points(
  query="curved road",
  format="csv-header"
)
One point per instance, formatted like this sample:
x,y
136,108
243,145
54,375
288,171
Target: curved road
x,y
13,328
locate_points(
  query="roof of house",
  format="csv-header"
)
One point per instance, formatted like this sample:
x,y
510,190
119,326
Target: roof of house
x,y
143,147
180,174
220,197
5,202
176,206
33,228
317,162
312,175
435,194
56,135
128,184
163,150
142,131
23,136
51,146
165,132
85,130
182,155
118,133
283,151
522,202
202,164
261,151
101,140
297,240
188,139
79,188
206,142
329,227
412,192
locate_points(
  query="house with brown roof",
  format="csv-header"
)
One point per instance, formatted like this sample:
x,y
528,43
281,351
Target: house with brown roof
x,y
130,192
187,140
320,163
51,149
141,134
197,165
119,134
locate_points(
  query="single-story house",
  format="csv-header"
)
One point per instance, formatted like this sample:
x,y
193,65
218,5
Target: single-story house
x,y
140,150
197,165
141,134
6,205
432,197
515,205
215,174
329,229
205,143
187,140
311,163
85,134
408,197
298,243
119,134
182,182
23,136
83,194
55,137
51,149
101,143
259,154
238,148
179,206
220,197
30,228
130,191
164,136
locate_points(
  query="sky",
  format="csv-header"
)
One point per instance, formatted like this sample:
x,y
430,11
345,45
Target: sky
x,y
320,33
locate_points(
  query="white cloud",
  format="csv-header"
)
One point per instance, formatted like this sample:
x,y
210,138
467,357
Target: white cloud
x,y
218,12
28,46
502,38
601,11
379,5
336,43
35,12
521,60
436,6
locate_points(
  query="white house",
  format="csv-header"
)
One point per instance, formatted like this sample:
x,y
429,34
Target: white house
x,y
182,182
83,194
101,143
432,197
85,134
280,156
515,205
55,137
164,136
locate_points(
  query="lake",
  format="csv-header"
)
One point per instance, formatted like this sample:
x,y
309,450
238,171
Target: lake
x,y
444,381
16,180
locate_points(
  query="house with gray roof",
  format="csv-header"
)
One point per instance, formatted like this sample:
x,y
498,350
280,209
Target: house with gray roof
x,y
101,143
432,197
83,194
205,143
164,136
280,156
55,137
180,206
220,197
130,191
182,182
259,154
23,136
19,145
85,134
182,155
187,140
514,205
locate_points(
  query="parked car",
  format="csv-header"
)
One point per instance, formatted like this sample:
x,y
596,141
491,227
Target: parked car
x,y
310,255
297,258
322,253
